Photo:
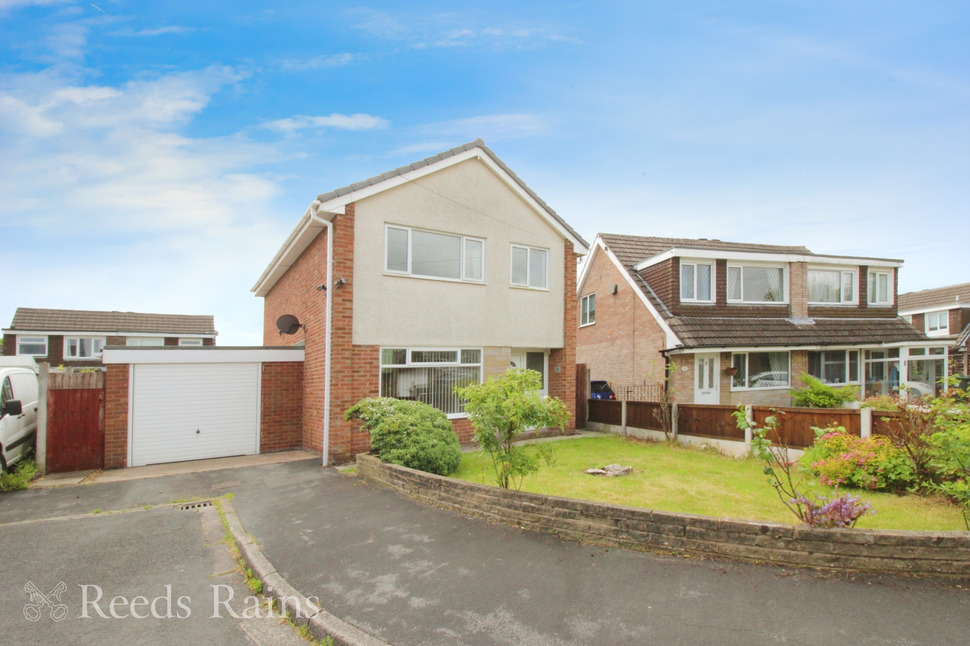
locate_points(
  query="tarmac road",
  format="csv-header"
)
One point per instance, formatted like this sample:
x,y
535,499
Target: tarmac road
x,y
411,574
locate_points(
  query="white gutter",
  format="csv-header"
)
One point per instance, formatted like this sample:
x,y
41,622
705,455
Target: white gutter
x,y
327,333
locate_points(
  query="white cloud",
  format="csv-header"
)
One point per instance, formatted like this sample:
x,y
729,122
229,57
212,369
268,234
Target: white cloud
x,y
158,31
317,62
377,23
6,5
338,121
67,40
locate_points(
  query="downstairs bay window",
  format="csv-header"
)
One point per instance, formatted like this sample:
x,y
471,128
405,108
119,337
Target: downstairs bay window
x,y
430,375
760,370
834,366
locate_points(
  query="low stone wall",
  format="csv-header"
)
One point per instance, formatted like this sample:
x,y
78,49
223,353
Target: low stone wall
x,y
940,553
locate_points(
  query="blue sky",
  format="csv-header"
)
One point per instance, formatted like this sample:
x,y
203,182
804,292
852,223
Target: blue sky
x,y
154,155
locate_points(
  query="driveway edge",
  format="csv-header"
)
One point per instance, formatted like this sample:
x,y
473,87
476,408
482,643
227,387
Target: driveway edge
x,y
298,608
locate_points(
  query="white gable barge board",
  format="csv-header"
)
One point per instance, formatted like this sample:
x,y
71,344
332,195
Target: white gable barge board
x,y
189,355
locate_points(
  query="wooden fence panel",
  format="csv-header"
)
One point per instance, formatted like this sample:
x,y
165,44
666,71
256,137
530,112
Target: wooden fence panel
x,y
582,385
75,429
796,423
882,421
605,411
708,421
643,415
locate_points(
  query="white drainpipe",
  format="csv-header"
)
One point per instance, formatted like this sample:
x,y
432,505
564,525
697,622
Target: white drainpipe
x,y
327,334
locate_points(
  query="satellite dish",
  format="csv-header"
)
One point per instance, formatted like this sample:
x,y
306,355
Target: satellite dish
x,y
288,324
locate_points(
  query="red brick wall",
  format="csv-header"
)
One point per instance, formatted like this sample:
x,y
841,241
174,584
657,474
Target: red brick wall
x,y
623,345
116,416
281,407
562,362
9,345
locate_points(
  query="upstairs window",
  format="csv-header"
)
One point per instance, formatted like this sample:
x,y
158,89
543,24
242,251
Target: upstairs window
x,y
145,341
32,346
587,310
880,288
83,347
937,323
427,254
831,286
530,267
696,282
755,284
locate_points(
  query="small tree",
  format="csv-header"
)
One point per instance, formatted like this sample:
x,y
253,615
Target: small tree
x,y
500,409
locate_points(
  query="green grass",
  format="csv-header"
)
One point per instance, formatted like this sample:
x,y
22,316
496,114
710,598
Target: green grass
x,y
672,477
19,475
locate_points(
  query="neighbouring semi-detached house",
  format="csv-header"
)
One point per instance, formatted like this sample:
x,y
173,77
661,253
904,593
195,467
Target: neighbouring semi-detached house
x,y
78,337
445,271
742,322
942,313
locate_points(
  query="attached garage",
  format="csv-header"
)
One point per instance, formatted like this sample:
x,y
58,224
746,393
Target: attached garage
x,y
197,403
193,411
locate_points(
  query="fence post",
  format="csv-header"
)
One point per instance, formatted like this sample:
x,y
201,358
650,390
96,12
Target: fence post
x,y
865,422
43,384
623,416
673,420
749,416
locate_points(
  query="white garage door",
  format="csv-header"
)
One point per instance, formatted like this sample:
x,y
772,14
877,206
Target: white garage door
x,y
194,411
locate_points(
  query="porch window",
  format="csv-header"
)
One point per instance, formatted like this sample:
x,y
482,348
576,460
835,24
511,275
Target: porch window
x,y
587,310
925,369
756,284
760,370
937,323
880,290
882,372
429,375
530,267
831,286
83,347
427,254
696,281
834,366
32,345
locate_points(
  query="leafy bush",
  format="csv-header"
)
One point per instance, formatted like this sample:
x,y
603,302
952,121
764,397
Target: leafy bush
x,y
819,395
18,476
953,460
409,433
503,407
838,458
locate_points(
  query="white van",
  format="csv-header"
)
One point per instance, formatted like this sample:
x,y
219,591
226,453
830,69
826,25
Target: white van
x,y
18,408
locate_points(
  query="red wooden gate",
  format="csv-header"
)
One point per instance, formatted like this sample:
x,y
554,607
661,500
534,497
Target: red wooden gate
x,y
75,423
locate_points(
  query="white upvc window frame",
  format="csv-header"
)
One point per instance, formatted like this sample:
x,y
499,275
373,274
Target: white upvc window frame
x,y
95,350
587,314
831,357
745,373
937,323
191,343
532,254
741,266
29,339
145,341
411,362
848,276
873,288
691,262
464,276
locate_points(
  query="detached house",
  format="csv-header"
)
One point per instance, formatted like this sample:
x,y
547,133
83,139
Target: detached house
x,y
942,314
78,337
439,273
731,322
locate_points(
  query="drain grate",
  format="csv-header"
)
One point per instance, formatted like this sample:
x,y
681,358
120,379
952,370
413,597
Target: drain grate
x,y
199,504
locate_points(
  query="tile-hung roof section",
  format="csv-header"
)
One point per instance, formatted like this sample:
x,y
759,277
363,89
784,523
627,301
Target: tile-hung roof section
x,y
40,320
952,295
716,332
632,250
334,201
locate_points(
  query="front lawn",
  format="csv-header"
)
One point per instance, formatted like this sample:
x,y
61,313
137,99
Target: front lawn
x,y
672,477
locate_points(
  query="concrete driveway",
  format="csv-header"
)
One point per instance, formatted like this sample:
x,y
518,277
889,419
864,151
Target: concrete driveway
x,y
411,574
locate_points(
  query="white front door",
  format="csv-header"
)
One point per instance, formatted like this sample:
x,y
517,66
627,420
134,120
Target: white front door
x,y
707,376
532,361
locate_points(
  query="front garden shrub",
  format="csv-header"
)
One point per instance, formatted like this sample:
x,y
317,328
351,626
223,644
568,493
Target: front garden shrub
x,y
409,433
815,394
838,458
840,511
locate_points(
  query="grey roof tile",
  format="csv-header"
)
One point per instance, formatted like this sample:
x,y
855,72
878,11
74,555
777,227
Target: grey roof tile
x,y
37,319
936,297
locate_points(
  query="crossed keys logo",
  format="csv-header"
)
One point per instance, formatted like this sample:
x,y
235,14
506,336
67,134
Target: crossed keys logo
x,y
50,602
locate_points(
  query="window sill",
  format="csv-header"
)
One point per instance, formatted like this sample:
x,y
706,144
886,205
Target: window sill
x,y
456,281
582,325
529,289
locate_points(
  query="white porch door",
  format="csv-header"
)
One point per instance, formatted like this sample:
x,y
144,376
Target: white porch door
x,y
707,377
532,361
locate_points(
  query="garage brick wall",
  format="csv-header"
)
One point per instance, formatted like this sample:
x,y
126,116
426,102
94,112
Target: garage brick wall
x,y
281,407
116,416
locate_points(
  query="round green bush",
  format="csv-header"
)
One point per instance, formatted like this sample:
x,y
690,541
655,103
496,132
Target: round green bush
x,y
409,433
